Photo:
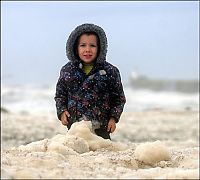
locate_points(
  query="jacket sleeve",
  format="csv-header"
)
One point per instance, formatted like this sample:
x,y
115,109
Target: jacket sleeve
x,y
117,96
61,94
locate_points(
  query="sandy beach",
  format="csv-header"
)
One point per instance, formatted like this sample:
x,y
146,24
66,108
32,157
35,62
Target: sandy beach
x,y
151,144
96,60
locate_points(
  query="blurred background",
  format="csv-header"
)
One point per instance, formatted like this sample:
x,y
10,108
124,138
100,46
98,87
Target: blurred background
x,y
154,44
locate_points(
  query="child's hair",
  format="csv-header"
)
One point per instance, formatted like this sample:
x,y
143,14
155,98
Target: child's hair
x,y
77,41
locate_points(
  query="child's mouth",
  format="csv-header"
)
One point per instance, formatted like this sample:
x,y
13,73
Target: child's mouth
x,y
87,56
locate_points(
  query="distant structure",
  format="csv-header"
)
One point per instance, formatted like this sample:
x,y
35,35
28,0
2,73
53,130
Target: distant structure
x,y
139,81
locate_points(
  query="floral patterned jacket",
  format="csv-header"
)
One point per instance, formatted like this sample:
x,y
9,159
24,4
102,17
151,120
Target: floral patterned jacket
x,y
96,96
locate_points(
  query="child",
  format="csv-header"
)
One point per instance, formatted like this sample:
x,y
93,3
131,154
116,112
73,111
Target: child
x,y
89,88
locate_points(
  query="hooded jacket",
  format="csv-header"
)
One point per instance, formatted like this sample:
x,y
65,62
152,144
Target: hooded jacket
x,y
96,96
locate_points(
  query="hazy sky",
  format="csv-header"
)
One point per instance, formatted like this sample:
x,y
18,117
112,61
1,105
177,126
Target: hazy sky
x,y
158,39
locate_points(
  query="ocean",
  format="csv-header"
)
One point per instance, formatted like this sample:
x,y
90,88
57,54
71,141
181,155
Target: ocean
x,y
29,98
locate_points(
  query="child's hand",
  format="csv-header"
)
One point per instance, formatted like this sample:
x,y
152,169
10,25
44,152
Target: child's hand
x,y
111,125
64,118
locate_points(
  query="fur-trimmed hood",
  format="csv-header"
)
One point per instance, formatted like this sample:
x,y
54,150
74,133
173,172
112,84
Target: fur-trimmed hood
x,y
80,30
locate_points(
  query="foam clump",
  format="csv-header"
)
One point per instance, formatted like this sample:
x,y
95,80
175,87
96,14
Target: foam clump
x,y
61,142
79,139
152,152
83,129
38,146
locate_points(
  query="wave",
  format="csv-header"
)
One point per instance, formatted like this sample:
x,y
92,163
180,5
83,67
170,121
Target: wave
x,y
32,99
143,82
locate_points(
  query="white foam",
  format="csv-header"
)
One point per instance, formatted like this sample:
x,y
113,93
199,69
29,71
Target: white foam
x,y
38,99
79,153
152,152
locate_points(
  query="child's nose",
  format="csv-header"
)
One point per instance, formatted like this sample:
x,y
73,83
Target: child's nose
x,y
87,48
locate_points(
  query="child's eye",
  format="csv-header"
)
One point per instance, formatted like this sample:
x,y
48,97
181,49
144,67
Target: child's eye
x,y
93,45
82,45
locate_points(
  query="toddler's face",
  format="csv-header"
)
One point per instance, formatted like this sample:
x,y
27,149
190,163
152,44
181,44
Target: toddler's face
x,y
87,48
